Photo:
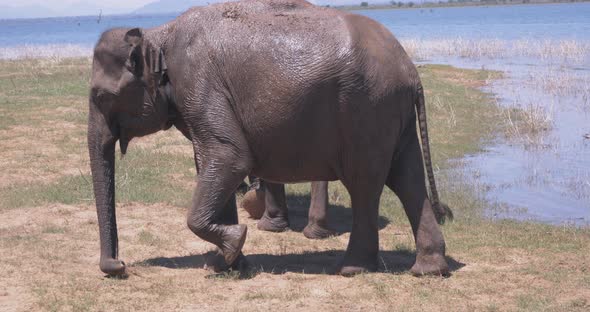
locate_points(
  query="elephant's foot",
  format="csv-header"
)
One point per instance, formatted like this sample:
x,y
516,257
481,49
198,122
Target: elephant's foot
x,y
253,203
276,224
430,265
351,270
351,267
113,267
316,231
217,264
233,241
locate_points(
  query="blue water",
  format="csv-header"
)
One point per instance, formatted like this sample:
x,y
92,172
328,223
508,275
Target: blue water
x,y
547,180
552,21
69,30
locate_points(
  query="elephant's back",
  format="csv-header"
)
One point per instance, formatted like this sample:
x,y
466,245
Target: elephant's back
x,y
384,59
266,24
302,40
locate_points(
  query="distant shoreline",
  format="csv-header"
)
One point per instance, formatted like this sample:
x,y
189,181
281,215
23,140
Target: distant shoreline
x,y
454,4
404,5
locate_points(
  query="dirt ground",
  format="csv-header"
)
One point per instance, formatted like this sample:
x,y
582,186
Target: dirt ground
x,y
50,262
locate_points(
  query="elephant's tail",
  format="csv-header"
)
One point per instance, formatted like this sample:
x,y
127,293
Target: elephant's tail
x,y
441,210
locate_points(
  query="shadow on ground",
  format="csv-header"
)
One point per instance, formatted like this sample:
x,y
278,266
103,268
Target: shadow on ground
x,y
323,262
339,217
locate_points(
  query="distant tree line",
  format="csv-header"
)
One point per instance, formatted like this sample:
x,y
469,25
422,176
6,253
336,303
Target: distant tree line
x,y
410,4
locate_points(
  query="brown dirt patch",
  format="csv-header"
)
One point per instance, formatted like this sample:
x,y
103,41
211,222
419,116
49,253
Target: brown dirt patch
x,y
53,253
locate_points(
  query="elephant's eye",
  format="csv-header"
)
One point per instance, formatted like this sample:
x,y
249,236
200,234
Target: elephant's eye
x,y
100,95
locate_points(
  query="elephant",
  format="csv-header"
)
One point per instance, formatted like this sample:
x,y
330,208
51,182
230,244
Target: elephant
x,y
280,89
267,202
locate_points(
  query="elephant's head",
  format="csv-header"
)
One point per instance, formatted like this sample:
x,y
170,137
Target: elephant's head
x,y
128,85
129,97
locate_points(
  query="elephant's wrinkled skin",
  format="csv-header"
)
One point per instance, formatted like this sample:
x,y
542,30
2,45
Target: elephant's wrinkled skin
x,y
267,202
280,89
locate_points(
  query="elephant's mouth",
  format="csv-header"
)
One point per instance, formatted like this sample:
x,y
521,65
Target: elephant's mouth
x,y
172,115
123,144
168,124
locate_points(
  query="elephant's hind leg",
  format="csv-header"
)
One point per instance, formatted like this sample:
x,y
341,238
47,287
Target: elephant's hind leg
x,y
406,179
276,215
363,246
317,226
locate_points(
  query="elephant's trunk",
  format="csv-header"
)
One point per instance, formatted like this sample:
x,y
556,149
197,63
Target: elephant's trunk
x,y
101,147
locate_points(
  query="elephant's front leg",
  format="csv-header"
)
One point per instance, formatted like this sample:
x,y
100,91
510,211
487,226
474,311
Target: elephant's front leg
x,y
223,161
213,216
317,226
228,216
276,216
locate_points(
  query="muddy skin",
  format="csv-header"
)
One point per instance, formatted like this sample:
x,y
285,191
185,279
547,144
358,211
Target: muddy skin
x,y
280,89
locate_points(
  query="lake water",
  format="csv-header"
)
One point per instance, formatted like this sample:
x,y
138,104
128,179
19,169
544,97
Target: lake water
x,y
543,49
553,21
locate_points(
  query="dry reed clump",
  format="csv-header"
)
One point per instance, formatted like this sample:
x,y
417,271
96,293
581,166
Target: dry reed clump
x,y
565,50
55,52
550,50
528,122
562,83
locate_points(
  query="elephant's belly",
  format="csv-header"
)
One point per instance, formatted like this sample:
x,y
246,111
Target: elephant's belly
x,y
301,144
284,174
298,158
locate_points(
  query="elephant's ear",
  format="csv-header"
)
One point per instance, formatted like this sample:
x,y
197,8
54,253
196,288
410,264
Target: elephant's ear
x,y
160,67
134,64
160,62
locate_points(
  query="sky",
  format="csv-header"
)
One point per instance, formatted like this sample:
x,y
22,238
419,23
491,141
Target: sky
x,y
60,4
41,8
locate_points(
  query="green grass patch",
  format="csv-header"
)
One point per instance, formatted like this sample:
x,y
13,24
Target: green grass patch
x,y
52,95
6,122
460,115
148,238
67,190
141,176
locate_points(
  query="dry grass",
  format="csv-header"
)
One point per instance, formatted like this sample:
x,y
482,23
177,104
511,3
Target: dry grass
x,y
550,50
420,49
49,235
572,86
48,51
